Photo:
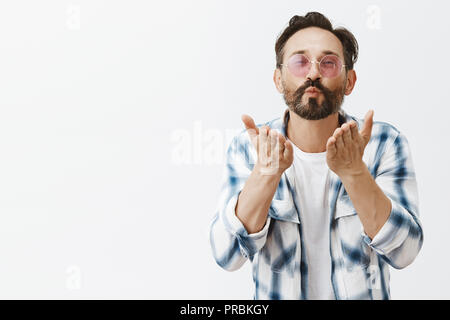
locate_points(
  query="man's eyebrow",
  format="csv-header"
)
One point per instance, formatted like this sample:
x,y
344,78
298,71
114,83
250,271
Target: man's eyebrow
x,y
323,52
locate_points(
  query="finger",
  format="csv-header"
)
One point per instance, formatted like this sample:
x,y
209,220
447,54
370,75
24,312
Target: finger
x,y
248,122
366,131
339,141
336,131
263,145
288,153
281,138
281,141
273,139
354,130
274,150
331,146
347,135
252,130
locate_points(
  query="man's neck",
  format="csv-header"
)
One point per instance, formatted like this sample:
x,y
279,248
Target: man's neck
x,y
311,135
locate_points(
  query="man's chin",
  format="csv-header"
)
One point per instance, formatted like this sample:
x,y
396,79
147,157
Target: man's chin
x,y
310,112
313,102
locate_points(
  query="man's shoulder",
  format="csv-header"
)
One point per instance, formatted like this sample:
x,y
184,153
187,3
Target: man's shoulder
x,y
384,137
383,126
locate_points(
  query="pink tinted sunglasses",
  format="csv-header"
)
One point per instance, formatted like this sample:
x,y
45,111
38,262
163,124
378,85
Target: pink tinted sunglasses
x,y
299,65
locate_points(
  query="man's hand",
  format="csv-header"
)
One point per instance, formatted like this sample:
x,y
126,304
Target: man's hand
x,y
275,153
345,148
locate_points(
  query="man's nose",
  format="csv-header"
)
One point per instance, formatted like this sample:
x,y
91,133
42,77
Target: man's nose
x,y
314,72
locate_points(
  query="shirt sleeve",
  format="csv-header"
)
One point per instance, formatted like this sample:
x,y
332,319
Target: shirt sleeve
x,y
249,243
401,237
230,242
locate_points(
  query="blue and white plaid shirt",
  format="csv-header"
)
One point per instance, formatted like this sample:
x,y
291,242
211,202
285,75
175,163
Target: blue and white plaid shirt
x,y
359,265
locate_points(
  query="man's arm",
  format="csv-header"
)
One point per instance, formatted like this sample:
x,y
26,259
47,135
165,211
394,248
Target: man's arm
x,y
240,226
386,206
275,154
370,202
345,149
254,200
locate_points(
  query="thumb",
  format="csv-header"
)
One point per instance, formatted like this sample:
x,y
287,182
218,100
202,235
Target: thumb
x,y
366,131
288,150
252,130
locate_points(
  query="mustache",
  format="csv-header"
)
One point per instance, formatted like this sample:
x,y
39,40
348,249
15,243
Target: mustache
x,y
310,83
328,94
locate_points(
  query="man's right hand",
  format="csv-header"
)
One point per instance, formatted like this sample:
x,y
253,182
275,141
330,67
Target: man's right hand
x,y
275,153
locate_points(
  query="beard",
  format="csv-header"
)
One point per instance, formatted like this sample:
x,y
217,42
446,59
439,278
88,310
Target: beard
x,y
311,110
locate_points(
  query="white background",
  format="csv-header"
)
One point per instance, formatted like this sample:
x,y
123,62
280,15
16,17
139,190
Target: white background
x,y
114,116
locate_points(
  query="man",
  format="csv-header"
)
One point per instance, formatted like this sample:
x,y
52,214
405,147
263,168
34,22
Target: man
x,y
320,202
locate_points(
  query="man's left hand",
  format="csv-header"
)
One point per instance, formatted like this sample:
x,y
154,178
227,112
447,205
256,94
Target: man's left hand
x,y
345,148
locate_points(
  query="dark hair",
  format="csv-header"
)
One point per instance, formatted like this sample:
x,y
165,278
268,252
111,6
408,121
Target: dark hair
x,y
316,19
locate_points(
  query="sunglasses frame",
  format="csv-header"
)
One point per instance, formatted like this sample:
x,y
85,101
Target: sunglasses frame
x,y
315,61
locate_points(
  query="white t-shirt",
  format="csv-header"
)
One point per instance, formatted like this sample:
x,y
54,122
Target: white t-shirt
x,y
312,186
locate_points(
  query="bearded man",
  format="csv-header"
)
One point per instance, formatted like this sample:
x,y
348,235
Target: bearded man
x,y
320,202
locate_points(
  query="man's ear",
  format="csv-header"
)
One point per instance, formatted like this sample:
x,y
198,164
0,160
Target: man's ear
x,y
277,80
350,82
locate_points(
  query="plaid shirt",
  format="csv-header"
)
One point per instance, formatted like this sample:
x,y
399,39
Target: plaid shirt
x,y
359,265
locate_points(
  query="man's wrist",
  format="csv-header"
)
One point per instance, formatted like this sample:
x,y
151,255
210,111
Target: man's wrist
x,y
268,173
355,174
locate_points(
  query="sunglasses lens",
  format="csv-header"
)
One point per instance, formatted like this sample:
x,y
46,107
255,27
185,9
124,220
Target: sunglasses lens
x,y
330,66
299,65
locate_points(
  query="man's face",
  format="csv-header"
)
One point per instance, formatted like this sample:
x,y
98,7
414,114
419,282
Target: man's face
x,y
314,43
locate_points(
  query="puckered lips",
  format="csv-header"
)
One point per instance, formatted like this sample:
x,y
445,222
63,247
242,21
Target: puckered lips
x,y
311,91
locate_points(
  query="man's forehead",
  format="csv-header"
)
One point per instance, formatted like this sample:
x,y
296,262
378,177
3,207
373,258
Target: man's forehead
x,y
313,41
